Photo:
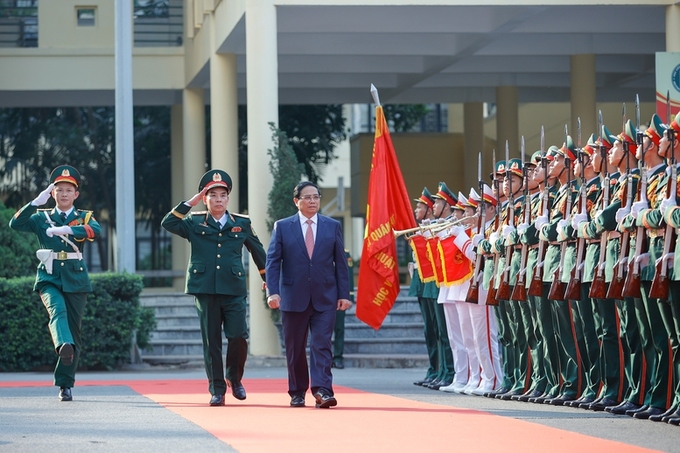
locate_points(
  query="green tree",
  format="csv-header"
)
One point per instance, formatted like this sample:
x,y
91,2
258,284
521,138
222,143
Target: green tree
x,y
286,172
404,117
17,249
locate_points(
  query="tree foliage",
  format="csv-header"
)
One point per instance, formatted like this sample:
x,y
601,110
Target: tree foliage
x,y
286,172
404,117
17,249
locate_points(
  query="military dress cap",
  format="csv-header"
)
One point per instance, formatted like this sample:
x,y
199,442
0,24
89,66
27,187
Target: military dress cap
x,y
655,130
534,160
515,167
500,169
551,153
474,198
426,198
607,141
445,194
65,173
489,197
462,202
590,147
675,124
628,135
215,178
568,149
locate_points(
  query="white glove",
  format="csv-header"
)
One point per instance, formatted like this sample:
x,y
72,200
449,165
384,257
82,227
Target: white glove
x,y
476,239
507,231
666,204
61,230
540,221
561,225
637,207
621,214
456,230
43,197
522,227
578,219
493,237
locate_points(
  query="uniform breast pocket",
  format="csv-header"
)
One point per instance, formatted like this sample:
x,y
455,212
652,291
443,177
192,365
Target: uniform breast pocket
x,y
196,269
202,231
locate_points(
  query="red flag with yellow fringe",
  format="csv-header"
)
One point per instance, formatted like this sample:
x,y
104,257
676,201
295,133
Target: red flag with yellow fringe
x,y
388,208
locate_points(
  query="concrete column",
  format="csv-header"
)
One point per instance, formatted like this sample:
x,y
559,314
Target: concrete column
x,y
263,108
193,120
507,123
179,245
473,128
583,96
673,28
455,119
224,120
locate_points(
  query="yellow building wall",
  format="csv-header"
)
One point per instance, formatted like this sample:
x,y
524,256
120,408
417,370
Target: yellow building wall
x,y
59,25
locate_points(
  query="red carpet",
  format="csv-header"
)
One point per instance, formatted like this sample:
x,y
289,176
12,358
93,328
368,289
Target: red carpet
x,y
362,421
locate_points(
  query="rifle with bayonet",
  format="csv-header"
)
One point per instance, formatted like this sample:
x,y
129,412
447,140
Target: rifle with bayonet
x,y
519,292
659,288
573,291
557,287
503,292
491,294
631,287
473,291
615,290
536,285
598,288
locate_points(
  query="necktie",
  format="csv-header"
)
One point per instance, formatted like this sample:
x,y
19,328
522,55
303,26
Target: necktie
x,y
309,238
63,217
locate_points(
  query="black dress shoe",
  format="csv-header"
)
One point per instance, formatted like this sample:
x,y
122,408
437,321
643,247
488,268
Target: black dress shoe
x,y
651,410
338,363
432,384
541,399
528,395
65,394
622,408
66,354
324,399
423,382
674,420
601,405
237,390
497,392
508,395
587,405
583,400
439,384
560,400
675,414
217,400
297,401
659,417
632,412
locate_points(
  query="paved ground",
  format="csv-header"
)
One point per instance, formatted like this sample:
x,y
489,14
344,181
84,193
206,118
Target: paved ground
x,y
31,418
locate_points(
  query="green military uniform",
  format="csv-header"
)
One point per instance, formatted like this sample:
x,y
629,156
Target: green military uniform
x,y
569,360
519,345
339,329
582,308
217,279
628,327
63,288
416,289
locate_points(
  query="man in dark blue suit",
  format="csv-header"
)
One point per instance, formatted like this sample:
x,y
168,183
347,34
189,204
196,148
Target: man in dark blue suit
x,y
308,279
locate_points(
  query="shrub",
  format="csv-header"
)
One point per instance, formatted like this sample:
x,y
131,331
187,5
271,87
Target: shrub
x,y
112,315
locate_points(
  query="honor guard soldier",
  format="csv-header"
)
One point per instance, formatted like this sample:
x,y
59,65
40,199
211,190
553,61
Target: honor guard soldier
x,y
578,278
339,329
62,280
217,279
423,214
669,147
569,363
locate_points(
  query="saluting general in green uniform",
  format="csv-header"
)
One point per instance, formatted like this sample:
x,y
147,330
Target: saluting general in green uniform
x,y
62,279
217,279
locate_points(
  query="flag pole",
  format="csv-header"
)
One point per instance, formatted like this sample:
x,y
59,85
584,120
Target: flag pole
x,y
374,93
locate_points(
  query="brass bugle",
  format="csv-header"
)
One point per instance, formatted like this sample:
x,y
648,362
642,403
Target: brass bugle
x,y
433,227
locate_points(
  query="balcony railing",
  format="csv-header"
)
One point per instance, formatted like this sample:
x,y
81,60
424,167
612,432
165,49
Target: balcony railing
x,y
158,23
